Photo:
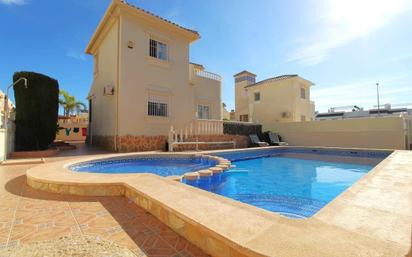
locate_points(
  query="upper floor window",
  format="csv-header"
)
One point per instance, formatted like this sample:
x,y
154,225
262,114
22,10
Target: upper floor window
x,y
157,106
257,96
203,111
158,49
302,93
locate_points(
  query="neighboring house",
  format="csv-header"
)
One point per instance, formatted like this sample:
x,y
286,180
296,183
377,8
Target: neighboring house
x,y
2,108
225,112
386,110
143,81
283,98
73,128
232,115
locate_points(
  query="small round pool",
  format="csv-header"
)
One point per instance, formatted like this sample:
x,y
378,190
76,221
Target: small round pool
x,y
162,166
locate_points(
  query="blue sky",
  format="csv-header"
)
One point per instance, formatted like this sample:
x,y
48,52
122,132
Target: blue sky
x,y
344,47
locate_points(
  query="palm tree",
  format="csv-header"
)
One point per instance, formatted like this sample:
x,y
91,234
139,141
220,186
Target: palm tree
x,y
70,104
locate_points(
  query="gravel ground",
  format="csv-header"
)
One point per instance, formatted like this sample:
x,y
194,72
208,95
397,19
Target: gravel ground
x,y
76,246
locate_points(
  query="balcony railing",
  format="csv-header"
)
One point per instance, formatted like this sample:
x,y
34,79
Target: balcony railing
x,y
208,75
208,127
197,127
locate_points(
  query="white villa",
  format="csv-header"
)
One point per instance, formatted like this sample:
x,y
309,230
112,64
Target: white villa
x,y
144,83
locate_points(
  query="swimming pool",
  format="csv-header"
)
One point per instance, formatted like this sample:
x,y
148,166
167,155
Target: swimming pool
x,y
293,187
162,166
295,182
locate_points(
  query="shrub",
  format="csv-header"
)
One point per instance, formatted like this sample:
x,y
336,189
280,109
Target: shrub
x,y
241,128
37,109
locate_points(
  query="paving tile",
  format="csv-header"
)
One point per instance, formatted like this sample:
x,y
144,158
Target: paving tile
x,y
6,215
13,243
139,238
195,251
28,215
160,248
45,231
123,238
3,244
4,233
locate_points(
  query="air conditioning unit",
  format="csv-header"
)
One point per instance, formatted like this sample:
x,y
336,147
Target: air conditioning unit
x,y
286,114
108,90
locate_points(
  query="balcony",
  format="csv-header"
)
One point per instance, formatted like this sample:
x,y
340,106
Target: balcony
x,y
208,75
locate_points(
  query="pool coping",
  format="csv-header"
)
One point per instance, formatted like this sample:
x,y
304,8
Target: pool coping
x,y
224,227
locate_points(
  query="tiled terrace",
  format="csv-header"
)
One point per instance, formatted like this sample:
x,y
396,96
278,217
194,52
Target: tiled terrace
x,y
28,215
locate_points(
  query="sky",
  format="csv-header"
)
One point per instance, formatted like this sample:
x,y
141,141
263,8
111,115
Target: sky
x,y
343,46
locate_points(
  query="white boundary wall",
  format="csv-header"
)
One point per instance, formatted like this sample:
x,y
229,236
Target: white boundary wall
x,y
3,140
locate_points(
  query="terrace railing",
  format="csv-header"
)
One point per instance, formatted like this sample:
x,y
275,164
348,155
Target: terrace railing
x,y
195,128
208,75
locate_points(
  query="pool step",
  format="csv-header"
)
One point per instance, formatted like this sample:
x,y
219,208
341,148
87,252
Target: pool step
x,y
237,171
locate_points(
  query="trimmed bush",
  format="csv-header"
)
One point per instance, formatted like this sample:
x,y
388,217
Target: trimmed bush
x,y
241,128
37,109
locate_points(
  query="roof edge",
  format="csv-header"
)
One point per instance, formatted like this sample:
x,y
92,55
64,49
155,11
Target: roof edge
x,y
280,77
101,25
244,71
192,35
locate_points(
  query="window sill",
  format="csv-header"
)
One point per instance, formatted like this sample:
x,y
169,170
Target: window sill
x,y
158,62
157,119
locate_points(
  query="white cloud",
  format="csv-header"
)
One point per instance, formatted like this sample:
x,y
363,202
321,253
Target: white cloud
x,y
76,55
344,22
361,93
397,59
15,2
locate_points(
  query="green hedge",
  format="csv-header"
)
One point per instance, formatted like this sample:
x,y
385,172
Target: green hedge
x,y
37,109
241,128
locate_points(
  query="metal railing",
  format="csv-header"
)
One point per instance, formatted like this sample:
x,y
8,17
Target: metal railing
x,y
208,75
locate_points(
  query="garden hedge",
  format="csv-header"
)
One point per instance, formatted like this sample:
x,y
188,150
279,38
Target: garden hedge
x,y
37,109
241,128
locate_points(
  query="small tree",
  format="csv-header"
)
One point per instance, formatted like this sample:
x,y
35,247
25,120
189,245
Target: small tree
x,y
36,111
70,104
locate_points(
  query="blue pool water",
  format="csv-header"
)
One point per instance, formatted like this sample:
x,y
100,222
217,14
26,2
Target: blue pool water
x,y
161,166
293,187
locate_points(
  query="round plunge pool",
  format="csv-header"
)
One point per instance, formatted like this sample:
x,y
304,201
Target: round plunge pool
x,y
161,165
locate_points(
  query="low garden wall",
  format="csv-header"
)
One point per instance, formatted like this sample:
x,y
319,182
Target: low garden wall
x,y
377,132
130,143
233,131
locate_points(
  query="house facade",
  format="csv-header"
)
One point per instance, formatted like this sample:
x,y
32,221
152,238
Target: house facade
x,y
143,81
283,98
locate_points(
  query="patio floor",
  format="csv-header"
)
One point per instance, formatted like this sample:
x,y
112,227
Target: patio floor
x,y
28,215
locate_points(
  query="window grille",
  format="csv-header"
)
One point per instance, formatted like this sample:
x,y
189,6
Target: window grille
x,y
157,106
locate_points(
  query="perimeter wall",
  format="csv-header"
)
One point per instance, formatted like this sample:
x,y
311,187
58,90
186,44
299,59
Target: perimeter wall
x,y
377,132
